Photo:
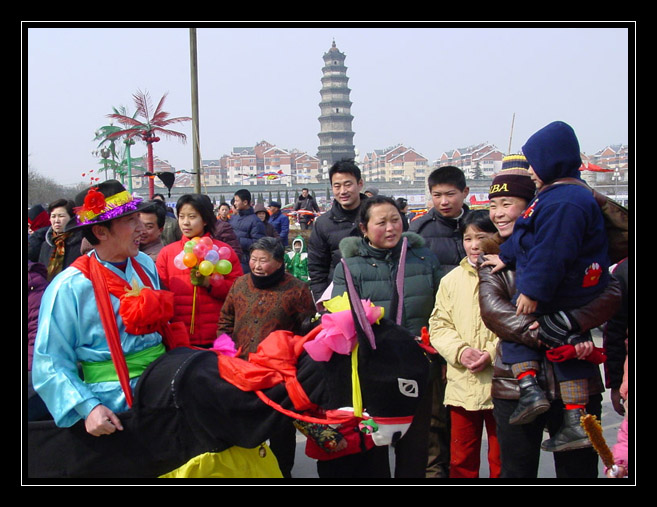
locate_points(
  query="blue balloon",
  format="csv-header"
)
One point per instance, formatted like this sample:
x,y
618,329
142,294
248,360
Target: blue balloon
x,y
212,256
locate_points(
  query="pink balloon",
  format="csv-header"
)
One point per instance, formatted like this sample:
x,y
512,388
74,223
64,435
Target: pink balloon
x,y
205,240
224,252
200,250
178,261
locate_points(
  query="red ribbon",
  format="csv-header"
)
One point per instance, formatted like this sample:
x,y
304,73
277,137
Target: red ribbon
x,y
155,306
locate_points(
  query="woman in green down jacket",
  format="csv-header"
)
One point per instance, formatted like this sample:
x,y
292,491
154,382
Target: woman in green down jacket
x,y
377,262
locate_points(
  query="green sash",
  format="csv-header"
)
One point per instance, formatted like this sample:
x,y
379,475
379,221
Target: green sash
x,y
104,371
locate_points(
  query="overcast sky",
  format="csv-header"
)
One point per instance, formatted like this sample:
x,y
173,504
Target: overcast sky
x,y
429,87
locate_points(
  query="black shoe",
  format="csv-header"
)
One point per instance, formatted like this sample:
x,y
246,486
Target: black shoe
x,y
571,435
532,401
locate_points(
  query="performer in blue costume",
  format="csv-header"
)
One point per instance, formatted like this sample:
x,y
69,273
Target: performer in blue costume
x,y
71,330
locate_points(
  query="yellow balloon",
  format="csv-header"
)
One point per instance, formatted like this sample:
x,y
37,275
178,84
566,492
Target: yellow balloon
x,y
205,268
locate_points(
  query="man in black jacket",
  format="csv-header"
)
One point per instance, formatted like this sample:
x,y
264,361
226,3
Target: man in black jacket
x,y
440,229
440,225
306,202
339,222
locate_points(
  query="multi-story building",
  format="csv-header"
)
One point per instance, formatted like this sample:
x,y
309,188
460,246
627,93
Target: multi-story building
x,y
612,157
479,161
264,163
305,168
398,163
213,172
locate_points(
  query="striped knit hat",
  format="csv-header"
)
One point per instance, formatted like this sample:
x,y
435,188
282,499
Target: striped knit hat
x,y
514,162
513,180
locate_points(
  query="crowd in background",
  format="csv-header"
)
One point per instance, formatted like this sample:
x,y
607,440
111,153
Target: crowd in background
x,y
460,276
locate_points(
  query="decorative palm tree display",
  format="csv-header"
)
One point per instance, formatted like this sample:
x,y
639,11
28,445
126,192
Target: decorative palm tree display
x,y
155,123
120,163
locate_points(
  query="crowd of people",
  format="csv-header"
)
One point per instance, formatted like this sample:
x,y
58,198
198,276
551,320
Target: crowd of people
x,y
499,295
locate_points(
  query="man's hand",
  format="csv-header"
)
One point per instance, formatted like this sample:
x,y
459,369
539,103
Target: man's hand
x,y
583,349
102,421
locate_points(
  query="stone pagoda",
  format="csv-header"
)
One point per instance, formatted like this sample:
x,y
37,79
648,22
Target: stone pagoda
x,y
336,137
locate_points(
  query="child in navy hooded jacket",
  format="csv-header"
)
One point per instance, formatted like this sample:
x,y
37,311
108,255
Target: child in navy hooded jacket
x,y
559,250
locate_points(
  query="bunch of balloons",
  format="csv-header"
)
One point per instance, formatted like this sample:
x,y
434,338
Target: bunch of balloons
x,y
204,259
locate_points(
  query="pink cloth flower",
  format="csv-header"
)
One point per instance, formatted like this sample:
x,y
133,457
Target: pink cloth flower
x,y
225,345
338,332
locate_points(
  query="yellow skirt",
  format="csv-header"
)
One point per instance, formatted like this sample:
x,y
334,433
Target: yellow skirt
x,y
233,463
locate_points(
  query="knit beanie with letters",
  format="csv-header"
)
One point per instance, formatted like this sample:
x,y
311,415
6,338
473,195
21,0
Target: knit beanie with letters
x,y
513,180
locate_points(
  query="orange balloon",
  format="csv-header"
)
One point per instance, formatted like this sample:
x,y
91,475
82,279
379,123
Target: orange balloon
x,y
190,260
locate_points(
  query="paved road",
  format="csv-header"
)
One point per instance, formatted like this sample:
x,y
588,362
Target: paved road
x,y
304,467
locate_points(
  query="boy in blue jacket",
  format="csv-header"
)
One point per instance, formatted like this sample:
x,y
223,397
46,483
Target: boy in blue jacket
x,y
559,251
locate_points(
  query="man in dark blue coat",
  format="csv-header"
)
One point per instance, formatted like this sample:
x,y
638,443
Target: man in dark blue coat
x,y
280,221
247,226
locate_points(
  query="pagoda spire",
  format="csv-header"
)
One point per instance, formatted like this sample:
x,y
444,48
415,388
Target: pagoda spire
x,y
336,134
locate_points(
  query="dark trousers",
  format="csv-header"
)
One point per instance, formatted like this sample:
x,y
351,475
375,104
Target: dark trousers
x,y
372,464
283,443
520,445
439,429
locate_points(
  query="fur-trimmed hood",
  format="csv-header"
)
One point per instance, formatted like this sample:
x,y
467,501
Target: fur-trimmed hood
x,y
299,239
375,275
353,246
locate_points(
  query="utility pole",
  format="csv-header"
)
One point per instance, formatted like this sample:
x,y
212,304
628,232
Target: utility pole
x,y
195,133
511,134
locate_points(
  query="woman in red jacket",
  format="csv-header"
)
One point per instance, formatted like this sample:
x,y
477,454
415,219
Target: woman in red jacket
x,y
198,298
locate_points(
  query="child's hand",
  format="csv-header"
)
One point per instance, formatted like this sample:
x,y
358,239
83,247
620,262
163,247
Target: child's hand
x,y
474,359
495,261
617,472
482,363
525,305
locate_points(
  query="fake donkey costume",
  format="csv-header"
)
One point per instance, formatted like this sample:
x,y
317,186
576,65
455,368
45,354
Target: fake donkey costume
x,y
205,414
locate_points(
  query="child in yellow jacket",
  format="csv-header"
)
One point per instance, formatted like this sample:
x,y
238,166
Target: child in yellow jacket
x,y
460,336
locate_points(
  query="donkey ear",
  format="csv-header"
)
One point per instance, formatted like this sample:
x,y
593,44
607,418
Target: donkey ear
x,y
363,326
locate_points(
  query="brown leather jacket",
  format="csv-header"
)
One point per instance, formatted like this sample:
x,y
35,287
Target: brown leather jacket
x,y
499,315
